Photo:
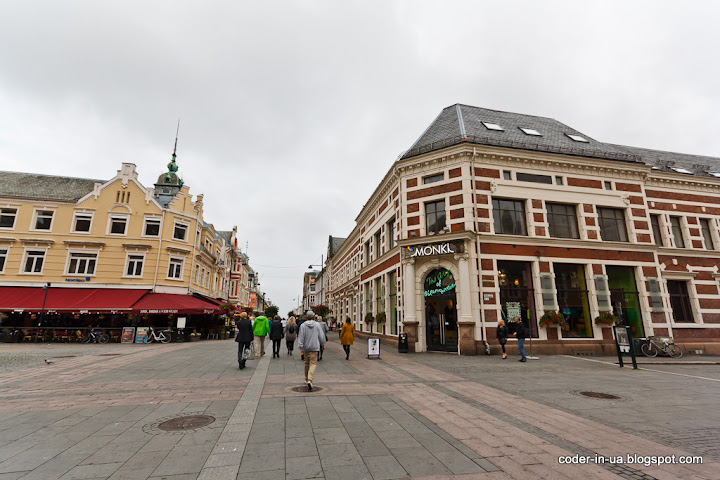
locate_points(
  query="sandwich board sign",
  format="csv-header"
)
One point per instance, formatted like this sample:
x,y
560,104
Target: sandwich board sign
x,y
373,348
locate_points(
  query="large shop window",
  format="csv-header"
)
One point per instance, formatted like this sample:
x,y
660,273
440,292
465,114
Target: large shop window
x,y
392,282
509,216
517,297
612,224
435,217
680,301
562,219
572,294
625,299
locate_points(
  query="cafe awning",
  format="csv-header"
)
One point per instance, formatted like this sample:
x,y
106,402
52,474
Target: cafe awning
x,y
159,303
76,300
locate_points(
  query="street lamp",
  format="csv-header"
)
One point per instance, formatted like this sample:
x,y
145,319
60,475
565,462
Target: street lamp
x,y
46,287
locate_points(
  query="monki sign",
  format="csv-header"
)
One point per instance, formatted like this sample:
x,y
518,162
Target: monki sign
x,y
426,250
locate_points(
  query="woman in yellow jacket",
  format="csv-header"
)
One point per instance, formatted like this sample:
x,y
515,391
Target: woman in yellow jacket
x,y
347,336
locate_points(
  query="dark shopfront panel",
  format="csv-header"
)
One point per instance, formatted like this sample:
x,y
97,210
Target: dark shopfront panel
x,y
572,295
517,297
625,299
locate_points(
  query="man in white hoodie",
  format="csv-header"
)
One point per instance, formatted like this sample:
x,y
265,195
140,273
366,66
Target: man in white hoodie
x,y
311,340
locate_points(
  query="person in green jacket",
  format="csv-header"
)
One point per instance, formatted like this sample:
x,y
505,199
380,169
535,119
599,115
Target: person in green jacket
x,y
261,328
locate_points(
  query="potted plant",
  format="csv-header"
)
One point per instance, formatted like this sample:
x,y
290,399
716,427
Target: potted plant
x,y
194,336
369,318
380,317
553,318
606,319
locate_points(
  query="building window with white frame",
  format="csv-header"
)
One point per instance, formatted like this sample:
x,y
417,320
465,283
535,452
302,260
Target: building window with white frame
x,y
43,219
612,224
151,227
562,220
118,224
180,231
34,260
435,217
680,301
677,231
706,231
135,264
82,222
7,218
82,263
3,259
509,216
175,268
391,232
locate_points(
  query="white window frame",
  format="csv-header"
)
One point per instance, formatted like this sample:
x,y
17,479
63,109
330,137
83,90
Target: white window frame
x,y
181,224
4,251
74,222
81,251
15,216
111,216
25,257
175,258
127,264
35,217
153,220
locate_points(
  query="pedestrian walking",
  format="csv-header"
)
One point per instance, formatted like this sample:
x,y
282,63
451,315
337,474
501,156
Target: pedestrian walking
x,y
290,334
260,330
325,330
244,337
311,341
502,333
347,336
520,334
276,335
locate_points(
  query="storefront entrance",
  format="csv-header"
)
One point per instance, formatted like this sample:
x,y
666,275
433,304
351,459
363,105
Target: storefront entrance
x,y
441,311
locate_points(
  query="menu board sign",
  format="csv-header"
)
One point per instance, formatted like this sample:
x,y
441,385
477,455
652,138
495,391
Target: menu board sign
x,y
128,335
141,335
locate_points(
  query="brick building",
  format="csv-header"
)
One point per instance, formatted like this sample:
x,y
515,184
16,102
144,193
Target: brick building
x,y
493,215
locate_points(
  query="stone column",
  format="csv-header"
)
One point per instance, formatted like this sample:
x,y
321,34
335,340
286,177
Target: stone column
x,y
410,323
466,323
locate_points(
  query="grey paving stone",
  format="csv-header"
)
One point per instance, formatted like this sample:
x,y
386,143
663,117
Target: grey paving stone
x,y
370,446
132,474
161,442
398,439
182,460
91,471
385,467
300,447
294,432
260,457
359,429
268,475
419,462
110,453
433,443
347,472
331,436
228,472
337,455
12,475
303,467
55,467
29,459
144,460
457,463
266,433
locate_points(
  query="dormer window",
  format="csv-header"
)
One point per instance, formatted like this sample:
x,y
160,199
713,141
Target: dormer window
x,y
578,138
493,126
530,131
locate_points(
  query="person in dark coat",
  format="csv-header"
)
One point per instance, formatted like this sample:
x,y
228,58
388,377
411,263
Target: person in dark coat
x,y
502,333
276,335
244,337
520,334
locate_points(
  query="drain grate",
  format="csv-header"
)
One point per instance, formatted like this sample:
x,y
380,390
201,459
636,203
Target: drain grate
x,y
189,422
304,389
604,396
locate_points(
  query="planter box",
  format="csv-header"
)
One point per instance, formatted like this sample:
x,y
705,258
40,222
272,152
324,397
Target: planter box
x,y
193,338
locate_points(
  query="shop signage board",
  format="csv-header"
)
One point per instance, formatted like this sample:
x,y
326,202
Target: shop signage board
x,y
128,335
624,344
439,282
513,310
373,348
141,335
181,322
253,300
445,248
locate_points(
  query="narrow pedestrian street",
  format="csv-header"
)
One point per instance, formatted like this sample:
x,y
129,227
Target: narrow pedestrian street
x,y
184,411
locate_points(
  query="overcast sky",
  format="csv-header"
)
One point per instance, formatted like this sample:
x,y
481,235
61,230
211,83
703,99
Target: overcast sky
x,y
292,112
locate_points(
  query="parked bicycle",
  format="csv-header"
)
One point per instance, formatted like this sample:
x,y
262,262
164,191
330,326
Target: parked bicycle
x,y
161,337
655,345
96,336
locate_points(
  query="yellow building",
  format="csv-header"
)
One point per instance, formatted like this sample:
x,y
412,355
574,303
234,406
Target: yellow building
x,y
114,240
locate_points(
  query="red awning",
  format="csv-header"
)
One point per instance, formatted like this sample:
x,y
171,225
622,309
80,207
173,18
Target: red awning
x,y
154,303
69,299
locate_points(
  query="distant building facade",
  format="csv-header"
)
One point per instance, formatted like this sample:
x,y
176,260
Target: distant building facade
x,y
494,215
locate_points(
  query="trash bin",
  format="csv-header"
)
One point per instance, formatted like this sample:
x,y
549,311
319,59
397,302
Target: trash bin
x,y
403,343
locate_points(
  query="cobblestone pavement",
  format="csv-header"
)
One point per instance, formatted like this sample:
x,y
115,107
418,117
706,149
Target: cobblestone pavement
x,y
120,412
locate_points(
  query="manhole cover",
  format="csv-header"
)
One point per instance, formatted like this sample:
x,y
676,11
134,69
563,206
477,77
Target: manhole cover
x,y
304,389
189,422
604,396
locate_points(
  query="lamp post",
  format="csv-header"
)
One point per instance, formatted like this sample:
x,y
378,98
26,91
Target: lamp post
x,y
46,287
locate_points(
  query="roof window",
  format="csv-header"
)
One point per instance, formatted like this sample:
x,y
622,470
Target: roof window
x,y
493,126
530,131
715,174
577,138
681,170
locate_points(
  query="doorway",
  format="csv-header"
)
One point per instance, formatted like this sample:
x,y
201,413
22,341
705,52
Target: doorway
x,y
441,311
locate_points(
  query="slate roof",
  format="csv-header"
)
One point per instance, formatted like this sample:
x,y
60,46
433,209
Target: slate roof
x,y
458,123
46,187
335,244
226,235
666,161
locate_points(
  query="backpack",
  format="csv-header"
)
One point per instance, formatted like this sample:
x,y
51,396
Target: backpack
x,y
291,329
